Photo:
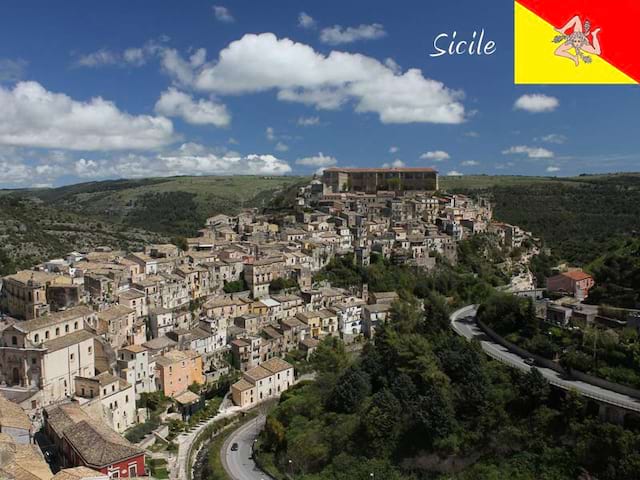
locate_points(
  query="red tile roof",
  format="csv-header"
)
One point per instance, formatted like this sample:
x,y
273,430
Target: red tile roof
x,y
577,275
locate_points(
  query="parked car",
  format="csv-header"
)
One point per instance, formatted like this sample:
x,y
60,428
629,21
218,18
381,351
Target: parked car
x,y
234,447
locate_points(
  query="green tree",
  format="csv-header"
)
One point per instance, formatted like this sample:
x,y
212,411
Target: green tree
x,y
350,391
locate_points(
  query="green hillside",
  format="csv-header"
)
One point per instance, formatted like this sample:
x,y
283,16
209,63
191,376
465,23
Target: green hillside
x,y
173,206
32,231
579,217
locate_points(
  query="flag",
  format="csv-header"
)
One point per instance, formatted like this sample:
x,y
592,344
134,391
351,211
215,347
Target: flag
x,y
605,33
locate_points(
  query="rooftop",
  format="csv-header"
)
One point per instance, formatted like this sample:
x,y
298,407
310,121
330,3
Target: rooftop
x,y
54,318
379,170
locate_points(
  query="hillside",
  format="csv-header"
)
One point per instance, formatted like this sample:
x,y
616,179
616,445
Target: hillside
x,y
617,275
32,231
172,206
577,217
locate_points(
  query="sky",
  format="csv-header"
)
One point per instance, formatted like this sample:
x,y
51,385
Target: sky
x,y
133,88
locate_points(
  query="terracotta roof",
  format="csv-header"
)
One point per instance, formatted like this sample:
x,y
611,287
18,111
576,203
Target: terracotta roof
x,y
276,364
22,462
67,340
94,441
258,373
54,318
78,473
134,348
114,312
98,445
187,397
242,385
12,415
577,275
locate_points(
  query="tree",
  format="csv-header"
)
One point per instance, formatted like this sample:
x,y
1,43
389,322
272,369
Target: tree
x,y
350,391
330,357
382,423
181,243
534,389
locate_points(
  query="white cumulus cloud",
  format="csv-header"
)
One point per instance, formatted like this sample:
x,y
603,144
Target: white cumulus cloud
x,y
552,169
454,173
337,34
470,163
35,117
531,152
436,156
537,103
319,160
188,159
258,63
173,103
393,149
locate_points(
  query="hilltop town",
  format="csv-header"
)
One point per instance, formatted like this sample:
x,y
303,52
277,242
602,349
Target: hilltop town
x,y
84,338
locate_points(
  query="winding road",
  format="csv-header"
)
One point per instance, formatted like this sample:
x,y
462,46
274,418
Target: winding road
x,y
239,464
464,324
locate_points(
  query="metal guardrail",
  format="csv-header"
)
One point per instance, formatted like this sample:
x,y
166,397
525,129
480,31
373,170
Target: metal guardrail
x,y
470,311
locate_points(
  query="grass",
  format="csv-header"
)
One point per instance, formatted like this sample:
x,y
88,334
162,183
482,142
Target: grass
x,y
158,468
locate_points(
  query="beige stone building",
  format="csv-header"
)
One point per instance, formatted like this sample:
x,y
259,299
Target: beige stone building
x,y
110,397
267,380
47,353
25,293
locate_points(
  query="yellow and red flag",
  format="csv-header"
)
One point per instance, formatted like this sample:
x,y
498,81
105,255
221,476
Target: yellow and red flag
x,y
606,34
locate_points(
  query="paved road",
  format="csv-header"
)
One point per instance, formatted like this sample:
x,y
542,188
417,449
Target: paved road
x,y
467,327
239,464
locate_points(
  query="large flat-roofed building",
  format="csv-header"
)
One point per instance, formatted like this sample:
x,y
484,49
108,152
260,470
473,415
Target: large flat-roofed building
x,y
371,180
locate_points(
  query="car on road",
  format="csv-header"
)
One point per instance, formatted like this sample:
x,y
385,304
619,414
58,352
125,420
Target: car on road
x,y
234,447
530,361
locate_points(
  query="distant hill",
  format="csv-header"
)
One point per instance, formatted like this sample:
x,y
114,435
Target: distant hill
x,y
32,231
579,217
172,206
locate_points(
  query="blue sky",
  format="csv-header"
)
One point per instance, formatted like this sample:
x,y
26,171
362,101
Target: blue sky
x,y
131,88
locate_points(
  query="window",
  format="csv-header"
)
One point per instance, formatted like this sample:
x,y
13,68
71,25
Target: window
x,y
14,340
72,356
57,331
66,328
75,325
36,338
33,361
46,335
90,349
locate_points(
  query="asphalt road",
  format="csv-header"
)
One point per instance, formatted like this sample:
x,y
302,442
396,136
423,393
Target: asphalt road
x,y
239,464
467,327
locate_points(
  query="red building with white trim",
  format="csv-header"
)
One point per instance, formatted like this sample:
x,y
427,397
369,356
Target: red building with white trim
x,y
89,442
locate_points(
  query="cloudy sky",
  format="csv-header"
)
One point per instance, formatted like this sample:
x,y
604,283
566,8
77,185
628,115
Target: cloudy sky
x,y
131,88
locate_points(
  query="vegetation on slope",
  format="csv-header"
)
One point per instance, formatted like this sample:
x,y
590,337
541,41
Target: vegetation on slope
x,y
32,231
173,206
577,217
422,403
